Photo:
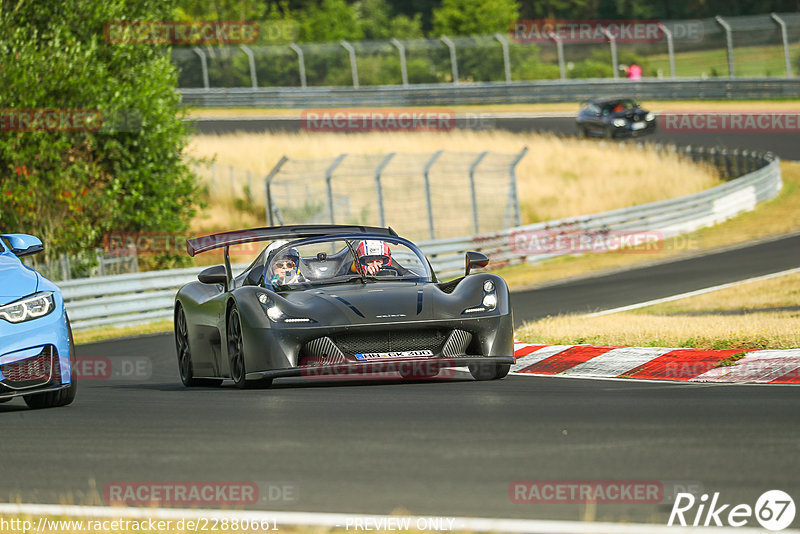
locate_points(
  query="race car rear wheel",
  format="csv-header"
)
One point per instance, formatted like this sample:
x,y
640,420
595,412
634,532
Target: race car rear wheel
x,y
62,397
236,354
489,371
185,354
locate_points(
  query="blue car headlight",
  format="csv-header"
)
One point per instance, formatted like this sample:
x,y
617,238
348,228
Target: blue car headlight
x,y
32,307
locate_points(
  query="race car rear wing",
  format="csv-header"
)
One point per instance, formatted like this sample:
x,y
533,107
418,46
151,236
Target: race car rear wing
x,y
228,239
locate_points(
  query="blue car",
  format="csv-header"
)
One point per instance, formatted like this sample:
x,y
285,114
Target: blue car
x,y
36,348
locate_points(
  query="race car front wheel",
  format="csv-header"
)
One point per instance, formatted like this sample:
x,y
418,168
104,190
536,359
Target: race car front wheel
x,y
185,354
236,354
489,371
62,397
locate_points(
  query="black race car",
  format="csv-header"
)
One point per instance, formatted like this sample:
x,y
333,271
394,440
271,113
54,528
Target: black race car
x,y
614,117
332,300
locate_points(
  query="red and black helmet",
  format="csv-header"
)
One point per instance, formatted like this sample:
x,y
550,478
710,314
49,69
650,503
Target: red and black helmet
x,y
369,251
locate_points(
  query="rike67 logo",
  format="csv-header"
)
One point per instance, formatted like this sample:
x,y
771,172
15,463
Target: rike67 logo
x,y
774,510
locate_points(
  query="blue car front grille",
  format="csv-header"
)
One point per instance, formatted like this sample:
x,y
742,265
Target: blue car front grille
x,y
32,372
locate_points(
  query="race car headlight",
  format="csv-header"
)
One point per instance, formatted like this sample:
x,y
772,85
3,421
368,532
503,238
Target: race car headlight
x,y
275,314
649,117
619,123
32,307
488,302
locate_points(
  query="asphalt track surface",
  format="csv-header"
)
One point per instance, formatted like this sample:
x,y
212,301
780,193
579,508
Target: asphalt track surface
x,y
447,447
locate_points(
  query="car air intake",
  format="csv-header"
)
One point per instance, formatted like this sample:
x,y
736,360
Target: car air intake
x,y
30,372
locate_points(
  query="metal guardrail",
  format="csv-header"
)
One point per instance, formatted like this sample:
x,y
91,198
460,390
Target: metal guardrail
x,y
145,297
491,93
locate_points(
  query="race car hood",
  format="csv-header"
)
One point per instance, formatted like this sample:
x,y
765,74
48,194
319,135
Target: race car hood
x,y
16,280
635,114
371,302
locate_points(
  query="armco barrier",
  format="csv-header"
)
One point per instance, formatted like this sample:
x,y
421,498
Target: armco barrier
x,y
480,93
145,297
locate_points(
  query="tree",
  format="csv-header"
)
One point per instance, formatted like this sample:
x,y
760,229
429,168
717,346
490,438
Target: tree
x,y
71,187
474,17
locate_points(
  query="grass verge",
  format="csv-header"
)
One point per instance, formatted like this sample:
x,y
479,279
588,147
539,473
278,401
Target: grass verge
x,y
554,107
727,319
101,334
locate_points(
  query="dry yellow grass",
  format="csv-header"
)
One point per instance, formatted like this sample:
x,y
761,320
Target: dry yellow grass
x,y
558,178
757,330
753,296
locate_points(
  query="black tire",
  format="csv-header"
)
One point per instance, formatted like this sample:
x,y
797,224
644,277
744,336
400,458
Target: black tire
x,y
583,132
489,371
185,354
236,354
608,133
62,397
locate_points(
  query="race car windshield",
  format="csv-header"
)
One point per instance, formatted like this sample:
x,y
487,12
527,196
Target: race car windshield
x,y
315,262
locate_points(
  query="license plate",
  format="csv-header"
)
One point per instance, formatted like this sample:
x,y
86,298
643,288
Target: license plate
x,y
637,125
403,354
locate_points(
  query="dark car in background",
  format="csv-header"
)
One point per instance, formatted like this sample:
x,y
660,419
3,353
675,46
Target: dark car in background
x,y
614,117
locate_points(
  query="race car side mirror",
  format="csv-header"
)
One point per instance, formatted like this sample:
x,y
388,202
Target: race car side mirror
x,y
476,260
213,275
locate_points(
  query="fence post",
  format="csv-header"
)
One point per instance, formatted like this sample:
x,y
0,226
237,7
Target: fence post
x,y
426,176
353,66
612,41
785,39
252,61
403,66
214,176
203,65
473,192
560,52
65,270
729,41
233,180
670,49
268,190
726,157
329,185
506,57
453,59
301,63
513,186
379,187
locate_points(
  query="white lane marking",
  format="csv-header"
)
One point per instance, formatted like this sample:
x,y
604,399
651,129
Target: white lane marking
x,y
692,293
539,355
617,361
759,366
339,520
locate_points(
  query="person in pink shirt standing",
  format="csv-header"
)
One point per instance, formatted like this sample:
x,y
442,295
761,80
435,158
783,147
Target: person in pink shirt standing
x,y
634,72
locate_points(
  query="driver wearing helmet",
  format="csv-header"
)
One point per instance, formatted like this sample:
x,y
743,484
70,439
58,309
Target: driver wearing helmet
x,y
285,268
374,256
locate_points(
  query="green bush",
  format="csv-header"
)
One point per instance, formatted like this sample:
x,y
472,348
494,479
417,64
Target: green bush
x,y
71,187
